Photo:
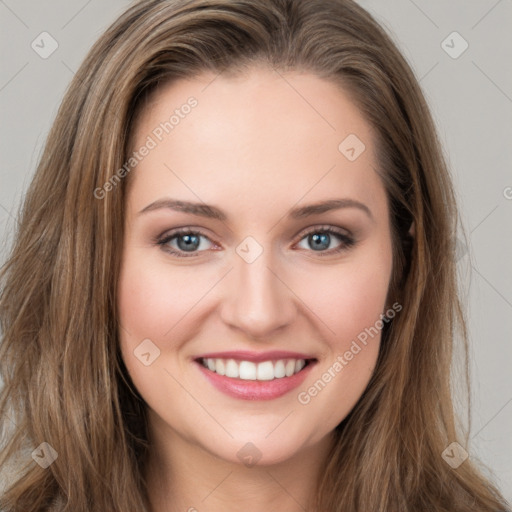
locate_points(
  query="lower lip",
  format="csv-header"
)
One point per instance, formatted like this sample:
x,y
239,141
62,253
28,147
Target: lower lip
x,y
256,389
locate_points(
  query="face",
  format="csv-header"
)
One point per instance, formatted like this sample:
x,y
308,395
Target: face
x,y
253,282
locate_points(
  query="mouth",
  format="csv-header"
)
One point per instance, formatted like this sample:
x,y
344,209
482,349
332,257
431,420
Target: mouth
x,y
255,376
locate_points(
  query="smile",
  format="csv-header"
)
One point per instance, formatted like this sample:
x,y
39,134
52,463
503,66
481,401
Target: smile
x,y
250,376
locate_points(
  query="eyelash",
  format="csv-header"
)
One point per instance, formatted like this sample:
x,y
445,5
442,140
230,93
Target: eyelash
x,y
347,241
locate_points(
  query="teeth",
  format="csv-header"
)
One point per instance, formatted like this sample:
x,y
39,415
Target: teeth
x,y
247,370
232,369
220,367
265,371
279,370
290,367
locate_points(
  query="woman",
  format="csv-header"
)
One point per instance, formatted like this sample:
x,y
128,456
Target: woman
x,y
178,333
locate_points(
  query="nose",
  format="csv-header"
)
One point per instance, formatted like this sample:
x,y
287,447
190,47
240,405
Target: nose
x,y
257,300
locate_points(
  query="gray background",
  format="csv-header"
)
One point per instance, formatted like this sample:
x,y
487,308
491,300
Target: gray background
x,y
471,100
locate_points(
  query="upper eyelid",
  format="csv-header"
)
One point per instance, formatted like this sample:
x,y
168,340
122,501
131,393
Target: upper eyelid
x,y
200,231
166,237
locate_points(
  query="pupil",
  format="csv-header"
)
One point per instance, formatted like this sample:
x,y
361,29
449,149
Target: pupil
x,y
321,241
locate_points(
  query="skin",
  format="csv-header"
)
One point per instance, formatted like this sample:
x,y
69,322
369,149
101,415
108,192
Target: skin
x,y
255,146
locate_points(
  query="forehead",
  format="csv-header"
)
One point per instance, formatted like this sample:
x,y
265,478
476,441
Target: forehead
x,y
261,134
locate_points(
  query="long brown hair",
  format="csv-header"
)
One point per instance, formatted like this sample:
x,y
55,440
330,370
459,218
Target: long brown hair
x,y
64,380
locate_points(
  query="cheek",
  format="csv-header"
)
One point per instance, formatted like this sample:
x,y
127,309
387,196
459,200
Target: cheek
x,y
156,304
353,302
349,303
153,301
347,299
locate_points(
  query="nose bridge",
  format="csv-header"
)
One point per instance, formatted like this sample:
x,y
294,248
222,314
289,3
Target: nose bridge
x,y
257,302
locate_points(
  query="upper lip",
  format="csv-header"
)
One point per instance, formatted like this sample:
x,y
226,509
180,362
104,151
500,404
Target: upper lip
x,y
245,355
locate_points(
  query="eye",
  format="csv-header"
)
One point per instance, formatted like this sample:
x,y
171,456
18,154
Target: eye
x,y
183,241
320,238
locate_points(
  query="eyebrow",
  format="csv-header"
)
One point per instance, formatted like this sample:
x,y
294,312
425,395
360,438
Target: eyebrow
x,y
212,212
